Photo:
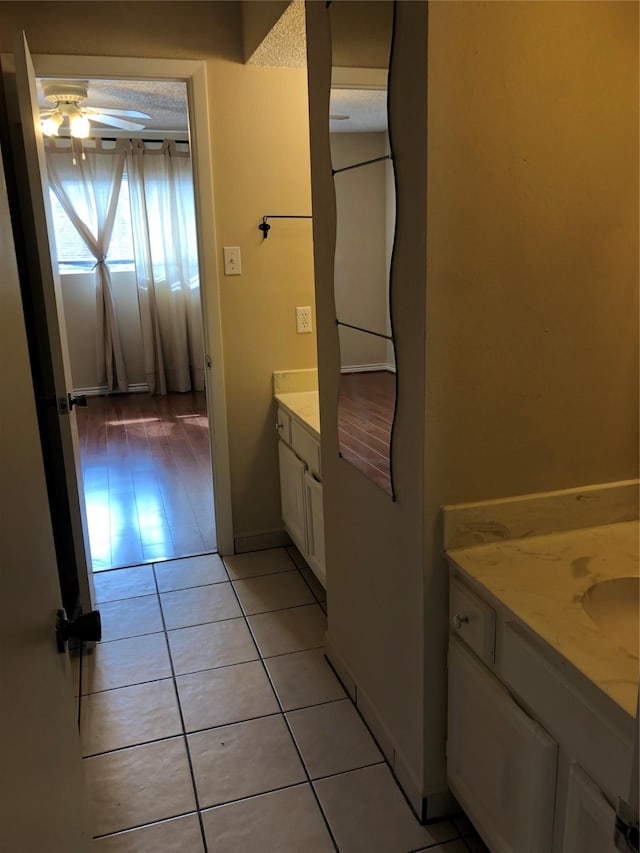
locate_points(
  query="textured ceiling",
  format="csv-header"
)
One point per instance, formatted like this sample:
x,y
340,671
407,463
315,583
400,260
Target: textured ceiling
x,y
367,110
165,102
285,46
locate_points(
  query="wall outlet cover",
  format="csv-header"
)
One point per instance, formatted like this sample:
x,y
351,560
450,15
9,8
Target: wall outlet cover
x,y
303,320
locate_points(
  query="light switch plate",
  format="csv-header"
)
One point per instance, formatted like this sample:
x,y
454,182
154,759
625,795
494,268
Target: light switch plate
x,y
232,260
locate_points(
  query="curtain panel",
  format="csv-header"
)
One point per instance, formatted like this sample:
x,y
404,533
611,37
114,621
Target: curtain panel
x,y
166,260
87,186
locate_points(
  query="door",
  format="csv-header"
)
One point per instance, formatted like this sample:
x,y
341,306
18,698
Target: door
x,y
43,806
315,526
501,764
41,293
589,819
292,495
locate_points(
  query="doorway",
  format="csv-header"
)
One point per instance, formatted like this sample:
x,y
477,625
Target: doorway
x,y
146,469
193,73
145,460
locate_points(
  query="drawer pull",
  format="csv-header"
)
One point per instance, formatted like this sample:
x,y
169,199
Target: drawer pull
x,y
459,621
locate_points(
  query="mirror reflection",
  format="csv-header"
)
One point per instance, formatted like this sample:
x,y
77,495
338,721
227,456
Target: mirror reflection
x,y
365,210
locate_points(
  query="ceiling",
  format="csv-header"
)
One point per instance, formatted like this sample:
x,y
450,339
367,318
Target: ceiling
x,y
366,108
164,101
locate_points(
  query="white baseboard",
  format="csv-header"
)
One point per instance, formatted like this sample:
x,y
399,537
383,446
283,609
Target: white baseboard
x,y
100,390
436,804
367,368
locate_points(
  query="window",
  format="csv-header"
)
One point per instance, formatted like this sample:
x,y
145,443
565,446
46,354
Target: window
x,y
73,254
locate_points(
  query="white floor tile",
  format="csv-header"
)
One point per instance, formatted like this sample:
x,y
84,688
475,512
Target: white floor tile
x,y
212,645
178,835
292,630
198,605
123,583
259,563
244,759
367,812
120,663
303,678
139,785
131,617
225,695
332,738
287,821
191,571
128,716
273,592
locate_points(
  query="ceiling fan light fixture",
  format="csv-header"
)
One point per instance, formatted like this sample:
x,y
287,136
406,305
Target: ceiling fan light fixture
x,y
79,126
51,125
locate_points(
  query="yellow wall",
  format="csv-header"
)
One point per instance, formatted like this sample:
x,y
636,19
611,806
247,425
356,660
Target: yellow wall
x,y
261,165
532,264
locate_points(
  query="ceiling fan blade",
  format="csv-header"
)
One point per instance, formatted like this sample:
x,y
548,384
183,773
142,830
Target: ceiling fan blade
x,y
112,121
109,111
45,113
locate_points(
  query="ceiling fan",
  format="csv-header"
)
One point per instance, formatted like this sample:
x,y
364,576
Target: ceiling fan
x,y
68,98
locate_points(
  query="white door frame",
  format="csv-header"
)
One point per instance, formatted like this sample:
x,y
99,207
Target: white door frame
x,y
194,74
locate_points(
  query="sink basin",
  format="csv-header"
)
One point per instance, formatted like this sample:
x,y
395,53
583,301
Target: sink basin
x,y
613,606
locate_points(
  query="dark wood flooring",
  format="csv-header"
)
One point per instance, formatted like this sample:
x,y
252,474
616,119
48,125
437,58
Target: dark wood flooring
x,y
365,415
147,477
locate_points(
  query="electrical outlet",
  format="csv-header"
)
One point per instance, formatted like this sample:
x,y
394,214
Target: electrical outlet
x,y
232,260
303,320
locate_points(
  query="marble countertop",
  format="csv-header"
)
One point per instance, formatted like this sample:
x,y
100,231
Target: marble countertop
x,y
303,405
541,580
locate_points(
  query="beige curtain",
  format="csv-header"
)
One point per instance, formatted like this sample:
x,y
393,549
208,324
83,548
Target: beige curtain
x,y
87,184
165,248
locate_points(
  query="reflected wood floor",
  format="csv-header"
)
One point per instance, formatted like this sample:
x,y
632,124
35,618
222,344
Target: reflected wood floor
x,y
147,477
365,416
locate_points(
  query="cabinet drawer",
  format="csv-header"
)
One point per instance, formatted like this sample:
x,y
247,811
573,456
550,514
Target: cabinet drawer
x,y
306,446
283,425
473,621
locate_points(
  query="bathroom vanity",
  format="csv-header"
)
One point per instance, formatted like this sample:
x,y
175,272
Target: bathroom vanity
x,y
543,673
298,427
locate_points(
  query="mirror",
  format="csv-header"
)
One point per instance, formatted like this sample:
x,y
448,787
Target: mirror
x,y
361,34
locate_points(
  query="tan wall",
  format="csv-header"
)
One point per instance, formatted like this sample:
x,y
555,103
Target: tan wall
x,y
261,165
532,276
374,547
530,379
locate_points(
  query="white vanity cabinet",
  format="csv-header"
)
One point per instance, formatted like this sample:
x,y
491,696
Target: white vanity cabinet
x,y
588,817
501,763
530,748
301,489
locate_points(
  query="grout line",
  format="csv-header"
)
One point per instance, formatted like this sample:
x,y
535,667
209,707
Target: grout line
x,y
143,826
174,736
295,743
184,731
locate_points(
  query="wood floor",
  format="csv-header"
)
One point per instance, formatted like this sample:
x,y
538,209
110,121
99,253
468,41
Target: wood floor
x,y
147,477
365,416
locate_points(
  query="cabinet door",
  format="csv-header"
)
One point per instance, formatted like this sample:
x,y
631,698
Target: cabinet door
x,y
315,526
589,819
292,496
501,764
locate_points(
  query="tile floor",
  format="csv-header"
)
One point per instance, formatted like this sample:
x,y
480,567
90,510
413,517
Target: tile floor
x,y
211,721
